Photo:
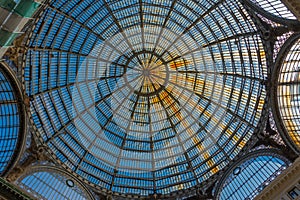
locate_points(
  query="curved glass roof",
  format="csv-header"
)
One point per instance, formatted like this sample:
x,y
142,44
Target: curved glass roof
x,y
251,176
9,121
275,7
145,97
49,184
288,92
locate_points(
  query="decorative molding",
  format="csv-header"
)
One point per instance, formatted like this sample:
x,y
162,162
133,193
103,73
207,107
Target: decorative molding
x,y
277,188
16,50
11,192
36,154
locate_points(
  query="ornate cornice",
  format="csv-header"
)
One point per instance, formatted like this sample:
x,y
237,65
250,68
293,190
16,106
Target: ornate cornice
x,y
277,188
11,192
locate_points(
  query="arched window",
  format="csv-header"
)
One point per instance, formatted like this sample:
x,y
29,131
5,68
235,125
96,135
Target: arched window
x,y
50,183
11,120
248,177
287,91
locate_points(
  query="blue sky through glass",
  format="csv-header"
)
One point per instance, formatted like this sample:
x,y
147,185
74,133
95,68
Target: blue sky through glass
x,y
9,121
253,176
199,120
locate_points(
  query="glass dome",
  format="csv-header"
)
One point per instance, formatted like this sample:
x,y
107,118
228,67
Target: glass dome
x,y
10,122
288,90
145,97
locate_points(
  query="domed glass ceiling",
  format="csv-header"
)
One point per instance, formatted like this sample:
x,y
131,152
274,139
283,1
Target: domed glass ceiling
x,y
145,97
9,122
288,92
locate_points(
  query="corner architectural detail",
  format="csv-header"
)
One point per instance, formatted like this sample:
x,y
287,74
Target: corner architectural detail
x,y
285,181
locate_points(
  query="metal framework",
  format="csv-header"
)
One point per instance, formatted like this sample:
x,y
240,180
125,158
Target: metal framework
x,y
272,9
154,99
145,97
286,91
12,120
48,182
248,176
